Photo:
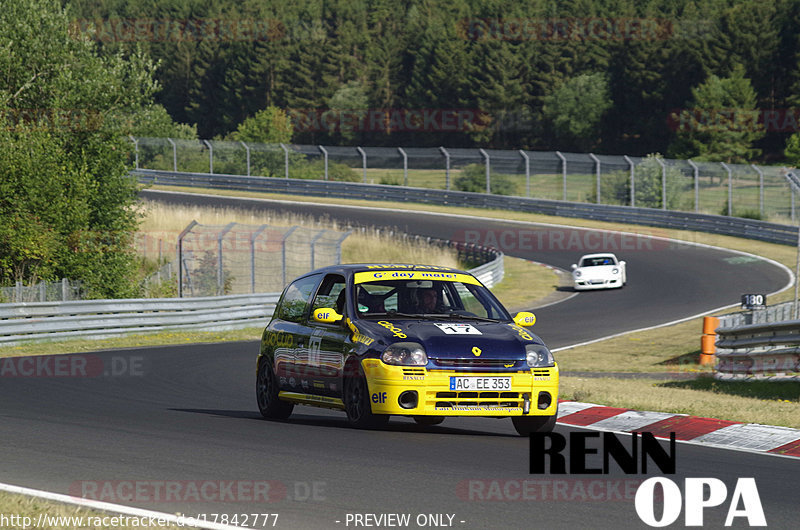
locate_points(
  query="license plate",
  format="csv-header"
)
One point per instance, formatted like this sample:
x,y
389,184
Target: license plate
x,y
480,383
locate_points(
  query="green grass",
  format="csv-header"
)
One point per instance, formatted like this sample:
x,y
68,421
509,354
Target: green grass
x,y
13,504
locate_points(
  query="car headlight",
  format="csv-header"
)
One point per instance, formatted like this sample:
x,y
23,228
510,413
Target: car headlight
x,y
538,356
405,354
577,274
615,271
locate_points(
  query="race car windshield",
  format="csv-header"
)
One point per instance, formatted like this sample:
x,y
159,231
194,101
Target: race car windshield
x,y
593,262
421,299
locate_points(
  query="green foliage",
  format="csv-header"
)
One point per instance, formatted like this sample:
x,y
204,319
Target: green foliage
x,y
576,107
792,151
616,187
473,178
65,195
304,169
723,123
269,126
205,279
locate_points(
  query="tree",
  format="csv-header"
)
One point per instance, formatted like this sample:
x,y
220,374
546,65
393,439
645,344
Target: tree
x,y
722,123
269,126
66,200
576,107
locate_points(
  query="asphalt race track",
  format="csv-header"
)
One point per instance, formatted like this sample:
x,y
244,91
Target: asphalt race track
x,y
180,423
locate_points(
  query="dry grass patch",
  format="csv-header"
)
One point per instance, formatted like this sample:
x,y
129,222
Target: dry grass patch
x,y
524,283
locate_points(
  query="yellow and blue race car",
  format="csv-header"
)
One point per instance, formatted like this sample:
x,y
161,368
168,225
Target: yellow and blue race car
x,y
377,340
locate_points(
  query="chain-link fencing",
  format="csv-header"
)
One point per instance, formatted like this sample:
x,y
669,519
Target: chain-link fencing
x,y
62,291
743,190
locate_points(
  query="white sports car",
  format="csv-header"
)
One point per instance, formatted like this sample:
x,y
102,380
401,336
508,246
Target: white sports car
x,y
598,271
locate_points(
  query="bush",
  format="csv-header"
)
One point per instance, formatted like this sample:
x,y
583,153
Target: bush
x,y
473,178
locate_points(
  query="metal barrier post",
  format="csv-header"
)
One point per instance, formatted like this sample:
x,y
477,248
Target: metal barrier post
x,y
760,189
253,238
527,172
247,150
135,151
730,188
220,275
633,179
180,256
405,166
313,248
446,168
597,166
488,170
325,155
563,171
663,183
210,156
696,185
285,159
363,162
283,255
174,155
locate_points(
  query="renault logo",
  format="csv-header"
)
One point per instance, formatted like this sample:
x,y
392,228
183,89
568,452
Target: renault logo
x,y
476,351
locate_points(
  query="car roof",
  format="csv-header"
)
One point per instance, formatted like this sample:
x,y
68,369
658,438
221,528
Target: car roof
x,y
351,268
600,255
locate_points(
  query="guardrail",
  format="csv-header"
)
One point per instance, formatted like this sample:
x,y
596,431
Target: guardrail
x,y
107,318
759,351
715,224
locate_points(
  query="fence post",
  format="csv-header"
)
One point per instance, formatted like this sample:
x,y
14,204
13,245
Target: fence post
x,y
210,156
633,179
730,188
180,256
760,189
18,292
253,238
64,289
527,172
285,160
42,292
563,171
325,155
696,185
405,166
663,183
174,155
314,247
283,255
488,170
363,162
339,246
135,151
597,166
247,150
220,275
446,168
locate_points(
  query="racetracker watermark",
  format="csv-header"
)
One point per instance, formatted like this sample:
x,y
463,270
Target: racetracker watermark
x,y
203,491
554,490
390,120
51,119
580,29
72,366
178,30
735,120
561,239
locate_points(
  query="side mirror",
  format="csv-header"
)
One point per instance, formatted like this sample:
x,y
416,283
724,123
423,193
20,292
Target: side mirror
x,y
621,263
573,266
326,315
525,319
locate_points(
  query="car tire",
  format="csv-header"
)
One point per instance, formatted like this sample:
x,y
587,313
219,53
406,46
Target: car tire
x,y
428,420
269,404
526,425
357,404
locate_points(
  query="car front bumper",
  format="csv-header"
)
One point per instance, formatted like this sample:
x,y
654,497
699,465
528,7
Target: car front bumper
x,y
393,389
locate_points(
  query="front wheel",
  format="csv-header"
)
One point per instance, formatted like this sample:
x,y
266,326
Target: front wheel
x,y
269,404
357,405
526,425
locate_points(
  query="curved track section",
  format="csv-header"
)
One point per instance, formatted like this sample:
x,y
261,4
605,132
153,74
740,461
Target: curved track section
x,y
671,280
151,427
